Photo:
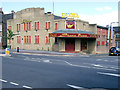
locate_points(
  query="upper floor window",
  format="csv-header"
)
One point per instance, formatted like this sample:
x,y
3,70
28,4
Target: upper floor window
x,y
56,26
47,25
106,33
10,27
27,26
36,25
18,27
103,31
98,31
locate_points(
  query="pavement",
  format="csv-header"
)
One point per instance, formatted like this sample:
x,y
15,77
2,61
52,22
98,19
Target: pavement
x,y
48,53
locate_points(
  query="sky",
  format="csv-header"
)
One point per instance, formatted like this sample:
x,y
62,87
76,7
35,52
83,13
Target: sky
x,y
101,13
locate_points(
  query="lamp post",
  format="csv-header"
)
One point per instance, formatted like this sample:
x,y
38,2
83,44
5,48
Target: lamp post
x,y
110,34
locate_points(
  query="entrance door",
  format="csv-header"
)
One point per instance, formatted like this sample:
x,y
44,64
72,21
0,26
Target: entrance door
x,y
83,45
69,44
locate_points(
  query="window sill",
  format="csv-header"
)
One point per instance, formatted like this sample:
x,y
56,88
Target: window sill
x,y
27,43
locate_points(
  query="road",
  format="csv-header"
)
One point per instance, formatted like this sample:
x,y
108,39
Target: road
x,y
83,72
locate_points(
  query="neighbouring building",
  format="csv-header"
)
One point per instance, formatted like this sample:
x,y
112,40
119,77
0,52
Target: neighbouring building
x,y
37,30
102,45
1,27
117,36
5,17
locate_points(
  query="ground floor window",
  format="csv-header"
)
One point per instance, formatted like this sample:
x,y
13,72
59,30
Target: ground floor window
x,y
18,39
37,39
47,40
27,39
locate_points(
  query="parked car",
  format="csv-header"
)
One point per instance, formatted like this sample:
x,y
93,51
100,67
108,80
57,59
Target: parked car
x,y
114,51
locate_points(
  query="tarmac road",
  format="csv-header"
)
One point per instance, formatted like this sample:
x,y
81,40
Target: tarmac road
x,y
82,72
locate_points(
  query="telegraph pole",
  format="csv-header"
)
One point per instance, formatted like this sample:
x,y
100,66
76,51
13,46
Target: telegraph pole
x,y
53,7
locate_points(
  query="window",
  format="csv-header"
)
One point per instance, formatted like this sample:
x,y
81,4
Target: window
x,y
56,40
98,31
9,41
47,40
55,26
10,27
103,31
47,25
27,39
24,39
18,27
98,42
18,39
37,39
27,26
106,33
103,42
36,25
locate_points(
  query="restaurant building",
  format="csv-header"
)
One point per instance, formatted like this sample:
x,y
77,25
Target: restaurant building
x,y
37,30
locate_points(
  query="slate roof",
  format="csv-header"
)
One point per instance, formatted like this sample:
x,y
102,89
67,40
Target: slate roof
x,y
73,31
58,17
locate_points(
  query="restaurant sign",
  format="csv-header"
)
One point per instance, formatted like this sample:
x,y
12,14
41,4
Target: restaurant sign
x,y
72,35
70,15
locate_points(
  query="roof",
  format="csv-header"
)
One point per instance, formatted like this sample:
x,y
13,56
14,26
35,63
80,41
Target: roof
x,y
58,17
73,31
102,27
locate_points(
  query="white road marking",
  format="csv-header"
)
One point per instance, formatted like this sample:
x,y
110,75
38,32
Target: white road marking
x,y
3,80
47,61
27,87
97,65
111,74
73,86
106,60
104,69
76,65
99,59
14,83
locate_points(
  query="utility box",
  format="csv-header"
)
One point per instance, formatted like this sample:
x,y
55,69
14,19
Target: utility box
x,y
17,49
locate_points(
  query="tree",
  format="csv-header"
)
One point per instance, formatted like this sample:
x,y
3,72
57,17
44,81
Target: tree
x,y
10,35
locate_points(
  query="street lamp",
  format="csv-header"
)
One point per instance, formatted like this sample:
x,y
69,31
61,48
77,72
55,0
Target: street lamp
x,y
110,33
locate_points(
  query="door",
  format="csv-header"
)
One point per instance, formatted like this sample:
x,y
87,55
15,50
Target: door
x,y
83,45
69,44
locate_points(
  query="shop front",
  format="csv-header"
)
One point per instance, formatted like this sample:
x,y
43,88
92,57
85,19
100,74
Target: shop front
x,y
71,40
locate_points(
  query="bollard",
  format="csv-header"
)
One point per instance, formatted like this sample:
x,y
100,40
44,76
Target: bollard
x,y
7,51
17,49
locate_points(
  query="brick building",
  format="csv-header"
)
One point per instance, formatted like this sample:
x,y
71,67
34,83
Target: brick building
x,y
37,30
117,36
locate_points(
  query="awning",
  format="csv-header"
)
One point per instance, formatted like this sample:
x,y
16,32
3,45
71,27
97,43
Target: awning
x,y
73,33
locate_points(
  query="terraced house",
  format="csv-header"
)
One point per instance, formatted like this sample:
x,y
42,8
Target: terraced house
x,y
37,30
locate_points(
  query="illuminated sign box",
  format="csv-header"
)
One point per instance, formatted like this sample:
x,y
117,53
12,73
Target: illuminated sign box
x,y
70,25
